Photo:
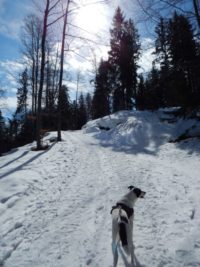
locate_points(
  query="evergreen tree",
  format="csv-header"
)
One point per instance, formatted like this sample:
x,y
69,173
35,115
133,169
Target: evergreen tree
x,y
100,102
82,112
74,115
2,134
153,93
123,58
161,43
183,55
88,102
65,108
176,52
141,94
22,94
23,129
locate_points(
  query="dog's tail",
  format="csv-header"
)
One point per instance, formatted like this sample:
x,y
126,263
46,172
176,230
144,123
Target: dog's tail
x,y
122,221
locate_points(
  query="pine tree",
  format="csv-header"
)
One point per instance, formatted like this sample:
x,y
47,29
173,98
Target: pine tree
x,y
22,95
88,102
2,134
114,60
23,130
161,43
123,58
100,102
82,112
183,55
141,96
153,91
65,108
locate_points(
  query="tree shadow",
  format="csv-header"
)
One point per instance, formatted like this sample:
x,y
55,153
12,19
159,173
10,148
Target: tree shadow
x,y
18,168
21,156
191,145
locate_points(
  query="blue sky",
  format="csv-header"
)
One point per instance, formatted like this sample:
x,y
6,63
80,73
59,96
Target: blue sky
x,y
12,13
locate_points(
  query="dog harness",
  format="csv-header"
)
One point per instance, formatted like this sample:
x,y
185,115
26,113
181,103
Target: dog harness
x,y
129,211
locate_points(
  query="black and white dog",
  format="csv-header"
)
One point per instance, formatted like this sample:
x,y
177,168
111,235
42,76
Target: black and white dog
x,y
122,223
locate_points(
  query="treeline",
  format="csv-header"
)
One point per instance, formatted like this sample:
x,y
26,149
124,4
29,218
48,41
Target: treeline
x,y
175,76
174,79
21,128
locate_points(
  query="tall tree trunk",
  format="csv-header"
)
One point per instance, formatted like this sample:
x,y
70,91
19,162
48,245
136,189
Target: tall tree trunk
x,y
37,74
39,109
61,70
33,84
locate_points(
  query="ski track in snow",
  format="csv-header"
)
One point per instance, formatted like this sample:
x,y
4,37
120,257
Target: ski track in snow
x,y
62,218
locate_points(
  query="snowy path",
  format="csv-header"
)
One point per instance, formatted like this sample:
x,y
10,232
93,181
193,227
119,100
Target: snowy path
x,y
61,217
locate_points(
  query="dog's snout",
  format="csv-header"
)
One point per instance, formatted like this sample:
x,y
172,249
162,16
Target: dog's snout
x,y
142,194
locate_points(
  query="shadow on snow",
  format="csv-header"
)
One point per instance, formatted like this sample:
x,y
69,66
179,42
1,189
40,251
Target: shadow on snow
x,y
18,168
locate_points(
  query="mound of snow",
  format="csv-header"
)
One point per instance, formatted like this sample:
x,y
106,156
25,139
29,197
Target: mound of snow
x,y
142,130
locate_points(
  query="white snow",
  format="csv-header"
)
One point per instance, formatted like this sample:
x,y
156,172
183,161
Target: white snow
x,y
55,204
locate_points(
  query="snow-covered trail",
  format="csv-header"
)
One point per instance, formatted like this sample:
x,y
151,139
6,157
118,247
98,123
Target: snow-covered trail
x,y
62,218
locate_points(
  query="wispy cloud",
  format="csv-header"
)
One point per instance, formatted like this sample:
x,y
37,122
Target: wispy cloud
x,y
10,29
11,17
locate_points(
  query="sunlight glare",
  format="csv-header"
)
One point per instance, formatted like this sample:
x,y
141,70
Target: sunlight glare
x,y
92,18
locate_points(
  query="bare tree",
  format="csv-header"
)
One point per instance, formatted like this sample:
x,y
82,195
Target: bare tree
x,y
31,39
50,6
52,12
61,66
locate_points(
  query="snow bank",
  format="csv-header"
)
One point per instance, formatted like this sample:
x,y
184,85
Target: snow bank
x,y
141,130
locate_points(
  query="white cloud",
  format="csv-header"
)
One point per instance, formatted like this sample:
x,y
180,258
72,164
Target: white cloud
x,y
147,57
9,73
8,105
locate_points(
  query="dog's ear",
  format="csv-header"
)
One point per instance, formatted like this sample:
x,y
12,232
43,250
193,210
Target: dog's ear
x,y
131,187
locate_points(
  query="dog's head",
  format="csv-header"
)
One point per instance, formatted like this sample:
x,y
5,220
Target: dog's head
x,y
137,191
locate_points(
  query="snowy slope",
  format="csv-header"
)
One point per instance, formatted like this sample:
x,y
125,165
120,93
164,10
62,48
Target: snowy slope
x,y
55,205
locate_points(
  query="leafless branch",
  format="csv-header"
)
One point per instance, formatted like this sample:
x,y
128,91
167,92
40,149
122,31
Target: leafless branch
x,y
86,39
51,23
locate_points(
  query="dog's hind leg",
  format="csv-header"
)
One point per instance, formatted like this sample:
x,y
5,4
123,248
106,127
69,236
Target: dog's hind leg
x,y
115,253
132,256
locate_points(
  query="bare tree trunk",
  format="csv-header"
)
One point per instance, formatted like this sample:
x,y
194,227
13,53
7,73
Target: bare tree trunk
x,y
33,84
61,70
43,52
37,73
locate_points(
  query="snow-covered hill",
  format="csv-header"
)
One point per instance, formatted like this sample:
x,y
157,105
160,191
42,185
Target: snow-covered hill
x,y
55,204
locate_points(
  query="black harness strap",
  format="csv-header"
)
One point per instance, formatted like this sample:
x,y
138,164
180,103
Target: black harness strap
x,y
129,211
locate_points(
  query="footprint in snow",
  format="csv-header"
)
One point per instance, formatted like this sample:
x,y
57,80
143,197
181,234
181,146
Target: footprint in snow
x,y
89,261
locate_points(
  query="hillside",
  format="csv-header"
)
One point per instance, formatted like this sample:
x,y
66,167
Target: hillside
x,y
55,204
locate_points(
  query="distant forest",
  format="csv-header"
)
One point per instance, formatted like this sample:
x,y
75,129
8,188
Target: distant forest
x,y
43,102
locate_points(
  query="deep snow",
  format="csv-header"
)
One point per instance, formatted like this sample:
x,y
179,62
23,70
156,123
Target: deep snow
x,y
55,205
